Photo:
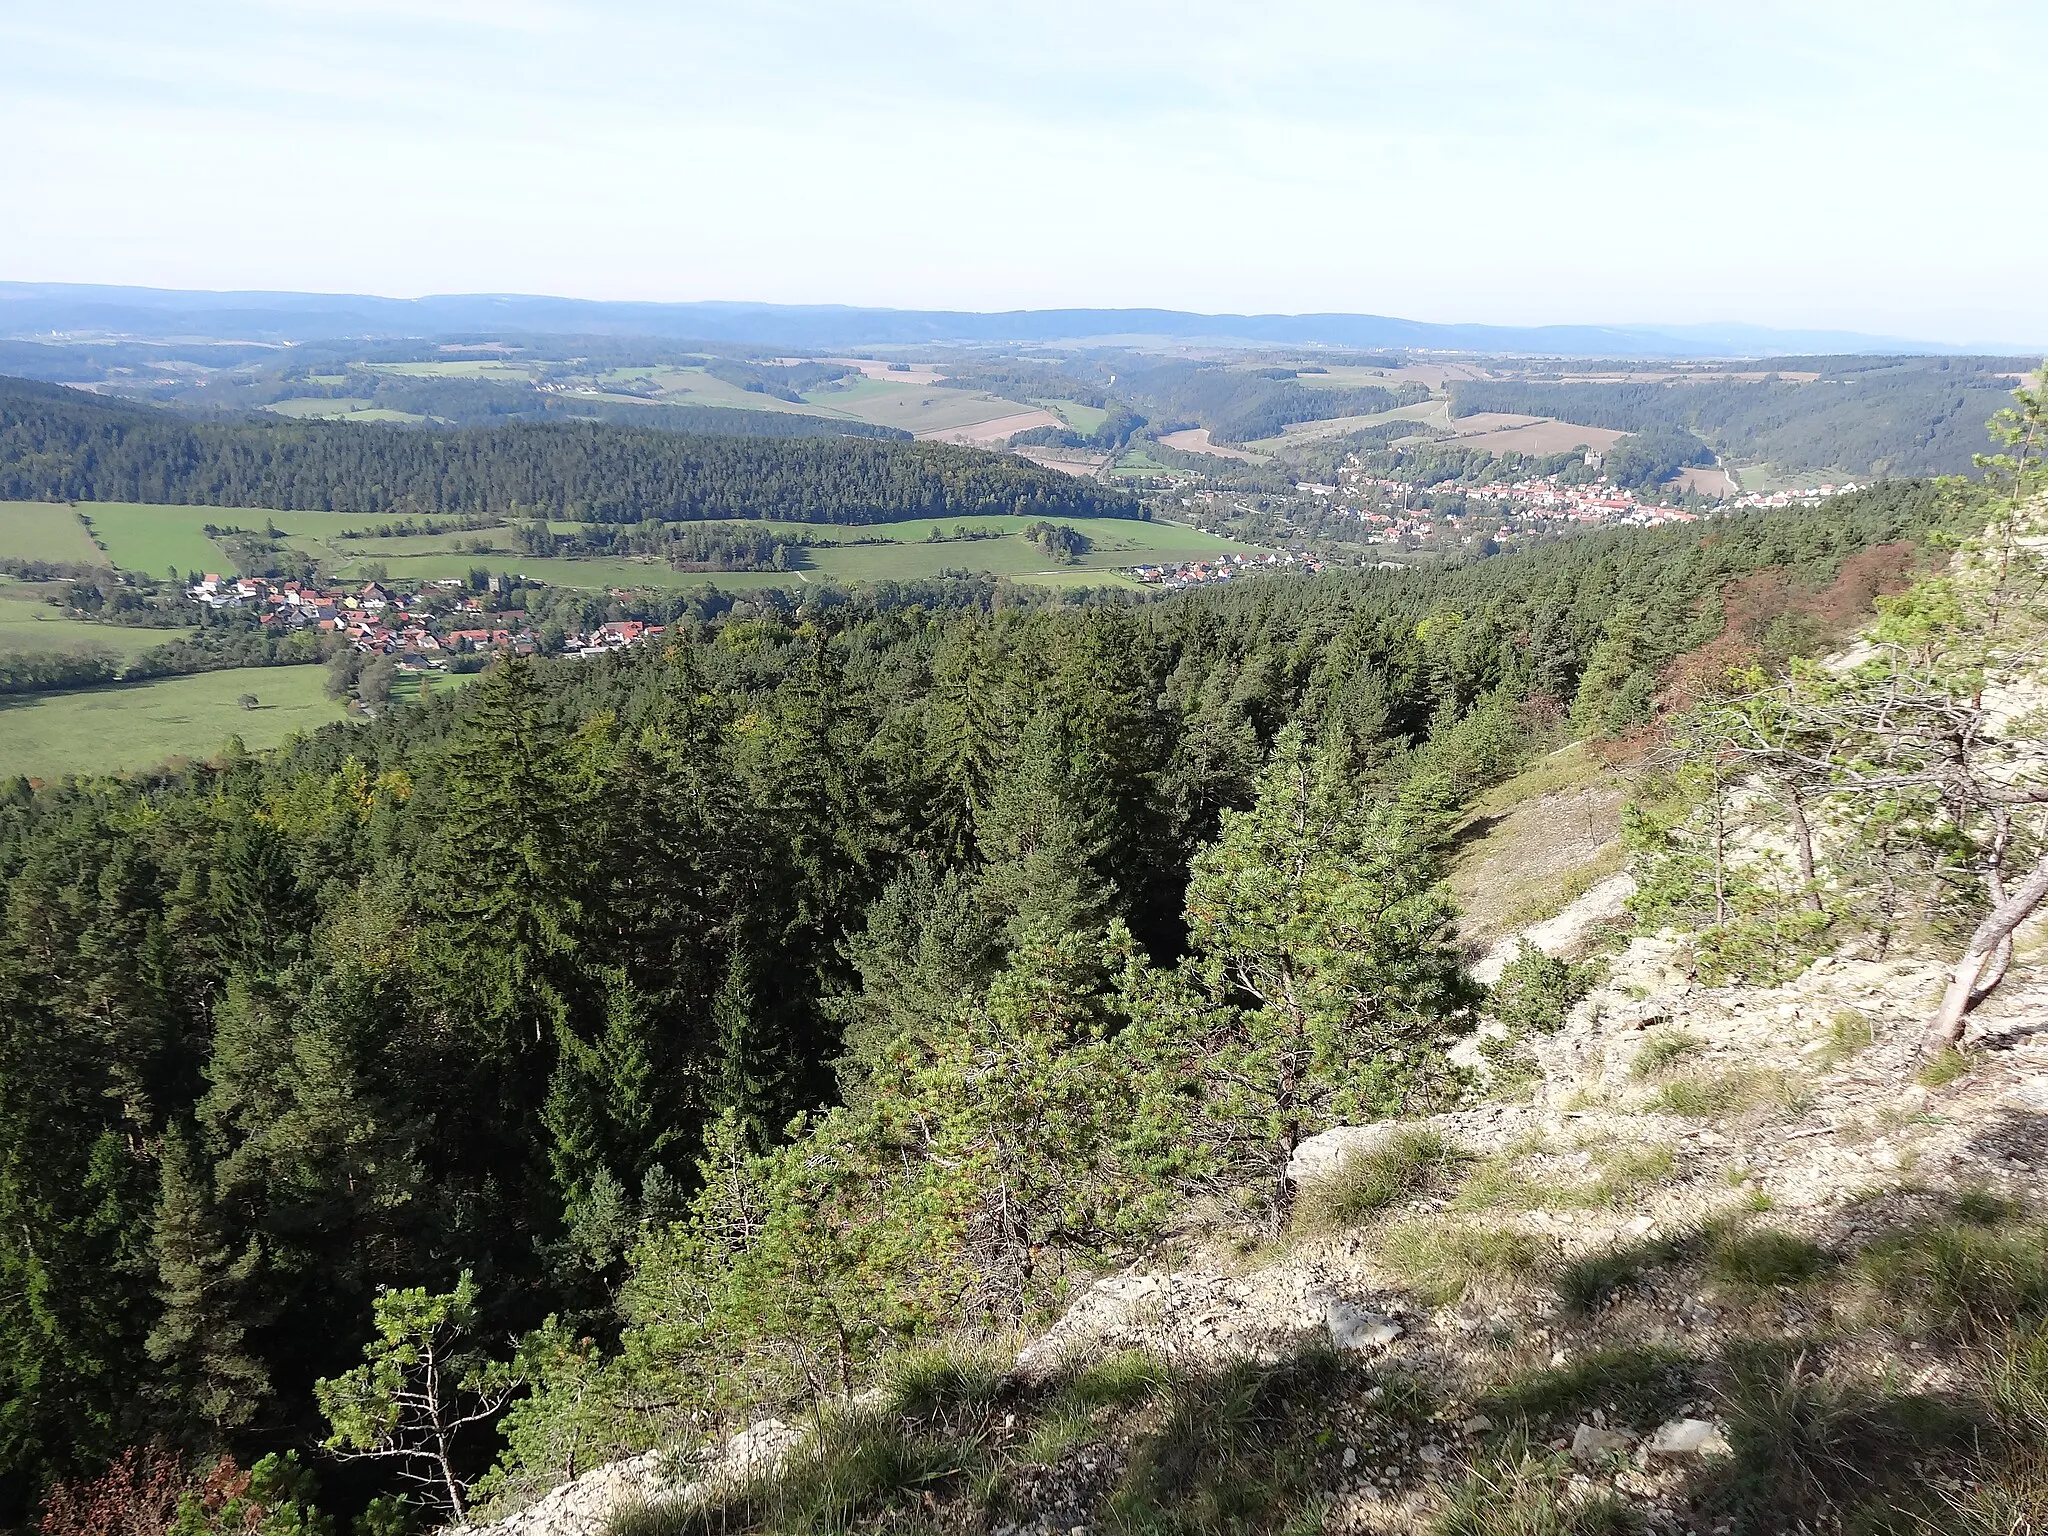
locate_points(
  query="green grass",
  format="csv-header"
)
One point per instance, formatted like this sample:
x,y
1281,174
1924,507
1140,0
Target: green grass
x,y
1725,1093
139,725
1364,1184
1523,1493
854,1464
1849,1035
1943,1068
1640,1384
45,530
1617,1173
1588,1280
151,539
1442,1261
27,623
1661,1049
1233,1450
1081,418
1764,1257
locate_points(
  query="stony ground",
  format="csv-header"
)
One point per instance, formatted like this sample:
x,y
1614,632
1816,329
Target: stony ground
x,y
1661,1110
1568,1231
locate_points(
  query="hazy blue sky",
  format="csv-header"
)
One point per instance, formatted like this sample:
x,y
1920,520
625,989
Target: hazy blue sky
x,y
1866,164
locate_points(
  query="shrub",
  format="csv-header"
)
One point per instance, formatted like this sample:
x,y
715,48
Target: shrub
x,y
1536,991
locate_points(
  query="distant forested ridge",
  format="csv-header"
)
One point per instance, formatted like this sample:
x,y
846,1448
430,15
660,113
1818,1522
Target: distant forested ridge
x,y
1867,416
1241,405
56,443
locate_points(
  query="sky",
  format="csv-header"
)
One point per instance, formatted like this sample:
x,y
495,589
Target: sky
x,y
1862,165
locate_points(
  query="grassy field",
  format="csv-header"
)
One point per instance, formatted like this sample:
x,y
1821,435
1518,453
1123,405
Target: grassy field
x,y
342,408
1082,418
138,725
902,556
912,406
593,574
151,539
27,623
1138,462
461,368
1341,376
689,386
45,530
1432,413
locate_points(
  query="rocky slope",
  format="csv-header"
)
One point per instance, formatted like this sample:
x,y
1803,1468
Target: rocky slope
x,y
1571,1271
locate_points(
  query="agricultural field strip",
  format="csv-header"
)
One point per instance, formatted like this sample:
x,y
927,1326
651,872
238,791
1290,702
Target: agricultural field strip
x,y
151,538
136,725
45,530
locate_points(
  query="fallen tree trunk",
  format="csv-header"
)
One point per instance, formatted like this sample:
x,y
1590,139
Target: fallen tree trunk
x,y
1990,944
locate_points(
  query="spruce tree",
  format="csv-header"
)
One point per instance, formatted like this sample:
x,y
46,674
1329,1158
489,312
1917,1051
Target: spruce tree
x,y
206,1286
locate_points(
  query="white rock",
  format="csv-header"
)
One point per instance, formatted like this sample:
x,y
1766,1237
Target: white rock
x,y
1688,1437
1590,1442
1563,932
1357,1328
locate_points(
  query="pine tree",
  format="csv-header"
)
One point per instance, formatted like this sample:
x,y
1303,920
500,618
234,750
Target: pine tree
x,y
752,1082
255,895
1043,840
206,1284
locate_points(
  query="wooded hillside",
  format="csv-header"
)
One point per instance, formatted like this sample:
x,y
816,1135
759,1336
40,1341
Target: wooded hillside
x,y
500,983
59,444
1865,416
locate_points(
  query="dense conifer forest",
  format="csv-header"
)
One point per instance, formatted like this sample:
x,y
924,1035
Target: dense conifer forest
x,y
58,444
677,1013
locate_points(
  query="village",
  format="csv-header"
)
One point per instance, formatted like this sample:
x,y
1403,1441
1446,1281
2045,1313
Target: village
x,y
1198,573
1534,506
424,629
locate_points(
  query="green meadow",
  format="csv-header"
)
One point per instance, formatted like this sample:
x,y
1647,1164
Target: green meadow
x,y
133,726
151,539
45,530
138,725
1081,418
27,623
